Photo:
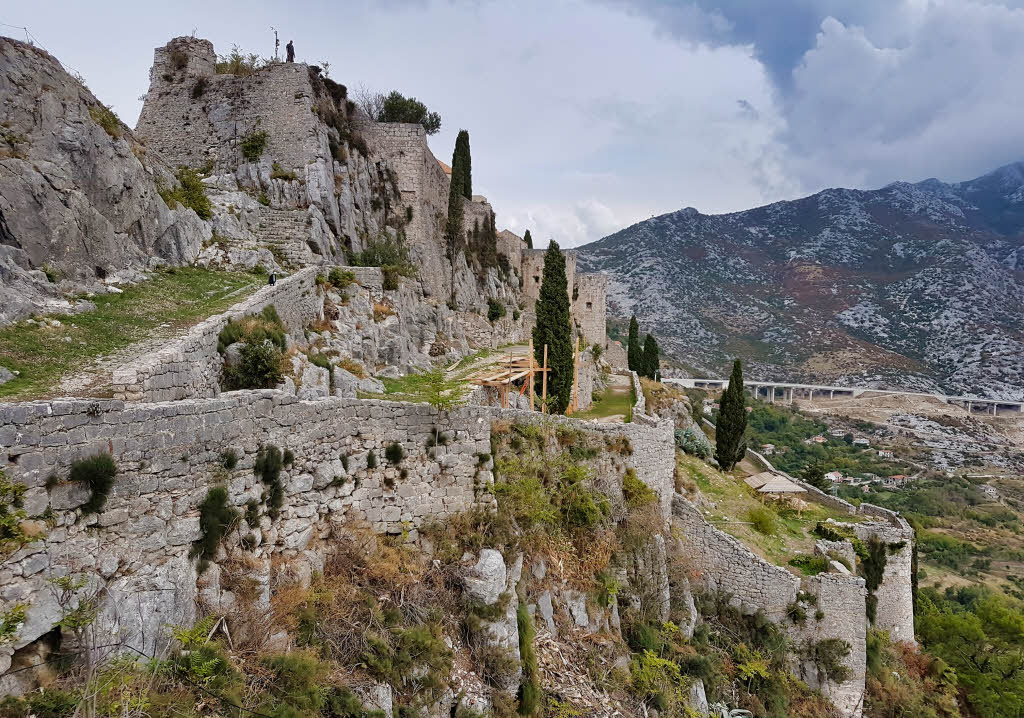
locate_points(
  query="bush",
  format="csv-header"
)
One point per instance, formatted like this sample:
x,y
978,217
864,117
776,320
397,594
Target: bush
x,y
278,172
810,565
390,254
97,472
238,63
394,453
260,367
255,328
253,144
228,459
396,107
340,278
12,535
828,655
190,192
495,310
530,691
215,520
636,493
199,88
694,442
371,460
763,519
105,118
268,465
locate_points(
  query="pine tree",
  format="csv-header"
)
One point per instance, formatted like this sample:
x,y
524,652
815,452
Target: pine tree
x,y
553,328
528,239
650,361
462,164
634,353
732,422
814,474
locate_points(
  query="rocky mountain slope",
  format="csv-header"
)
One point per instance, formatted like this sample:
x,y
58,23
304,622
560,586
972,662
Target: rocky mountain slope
x,y
79,195
912,285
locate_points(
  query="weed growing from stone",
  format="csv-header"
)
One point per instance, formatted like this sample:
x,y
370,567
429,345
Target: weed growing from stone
x,y
97,472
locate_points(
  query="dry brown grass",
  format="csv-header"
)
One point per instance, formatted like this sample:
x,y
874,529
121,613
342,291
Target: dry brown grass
x,y
659,396
352,366
382,312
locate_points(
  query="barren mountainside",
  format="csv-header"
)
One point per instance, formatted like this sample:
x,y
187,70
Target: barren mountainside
x,y
912,285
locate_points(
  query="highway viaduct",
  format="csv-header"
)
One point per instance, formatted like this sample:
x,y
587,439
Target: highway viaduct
x,y
777,391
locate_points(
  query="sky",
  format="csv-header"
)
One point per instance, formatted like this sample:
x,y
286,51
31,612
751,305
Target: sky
x,y
585,117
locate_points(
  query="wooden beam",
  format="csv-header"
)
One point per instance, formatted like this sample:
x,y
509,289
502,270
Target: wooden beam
x,y
532,390
544,383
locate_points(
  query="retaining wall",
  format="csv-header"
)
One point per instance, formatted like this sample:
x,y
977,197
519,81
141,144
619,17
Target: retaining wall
x,y
170,454
189,367
724,564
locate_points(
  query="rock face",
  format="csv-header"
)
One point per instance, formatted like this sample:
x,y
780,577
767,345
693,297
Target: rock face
x,y
76,198
912,285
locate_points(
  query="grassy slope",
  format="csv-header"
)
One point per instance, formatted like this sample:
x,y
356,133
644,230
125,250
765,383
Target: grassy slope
x,y
171,301
733,501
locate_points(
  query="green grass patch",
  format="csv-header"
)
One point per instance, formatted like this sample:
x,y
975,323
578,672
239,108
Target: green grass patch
x,y
177,298
611,402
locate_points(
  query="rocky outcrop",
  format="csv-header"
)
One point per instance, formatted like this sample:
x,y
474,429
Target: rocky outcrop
x,y
78,191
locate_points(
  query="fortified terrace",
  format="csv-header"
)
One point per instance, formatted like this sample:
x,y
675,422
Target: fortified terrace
x,y
123,490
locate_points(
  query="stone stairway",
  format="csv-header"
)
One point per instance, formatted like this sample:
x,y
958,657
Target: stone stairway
x,y
286,234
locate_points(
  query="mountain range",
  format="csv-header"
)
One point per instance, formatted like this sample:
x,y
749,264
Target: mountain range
x,y
915,285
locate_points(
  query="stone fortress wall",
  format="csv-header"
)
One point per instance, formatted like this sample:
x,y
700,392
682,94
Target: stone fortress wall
x,y
587,294
169,455
190,367
189,128
423,187
589,307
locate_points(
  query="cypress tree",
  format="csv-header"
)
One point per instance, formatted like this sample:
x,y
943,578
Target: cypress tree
x,y
732,422
462,164
650,362
453,229
553,328
634,353
528,239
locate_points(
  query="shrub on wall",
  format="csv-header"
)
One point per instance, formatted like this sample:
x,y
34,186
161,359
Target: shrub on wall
x,y
253,145
636,493
495,310
12,535
394,453
269,463
97,472
215,520
259,367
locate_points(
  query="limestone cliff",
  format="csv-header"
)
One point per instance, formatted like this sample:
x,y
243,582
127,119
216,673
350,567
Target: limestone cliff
x,y
78,192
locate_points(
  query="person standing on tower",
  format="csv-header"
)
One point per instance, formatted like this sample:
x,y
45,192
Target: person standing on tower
x,y
290,49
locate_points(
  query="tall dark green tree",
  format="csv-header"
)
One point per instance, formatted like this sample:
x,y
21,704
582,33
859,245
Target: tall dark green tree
x,y
814,474
462,164
554,330
453,229
634,352
528,239
730,445
651,362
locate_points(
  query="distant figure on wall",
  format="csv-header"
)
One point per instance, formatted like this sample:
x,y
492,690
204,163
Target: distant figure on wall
x,y
290,49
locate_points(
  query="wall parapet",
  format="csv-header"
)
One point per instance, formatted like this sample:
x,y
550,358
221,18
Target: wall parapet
x,y
189,367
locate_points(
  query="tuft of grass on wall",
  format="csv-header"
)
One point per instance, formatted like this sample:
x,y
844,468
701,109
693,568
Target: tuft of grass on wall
x,y
97,472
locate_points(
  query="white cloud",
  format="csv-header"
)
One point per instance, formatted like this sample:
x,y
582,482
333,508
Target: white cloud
x,y
588,116
946,103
